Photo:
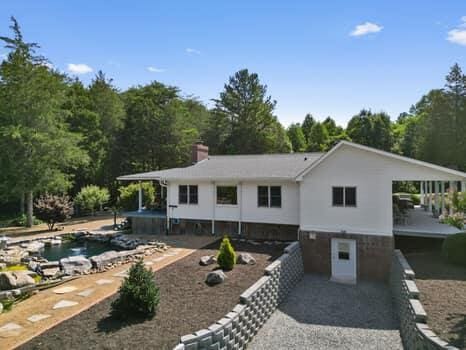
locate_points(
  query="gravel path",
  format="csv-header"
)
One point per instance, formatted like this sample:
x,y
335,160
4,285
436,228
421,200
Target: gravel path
x,y
320,314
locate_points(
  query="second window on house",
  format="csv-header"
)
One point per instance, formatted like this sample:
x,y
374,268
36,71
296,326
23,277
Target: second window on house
x,y
344,196
269,196
227,195
187,194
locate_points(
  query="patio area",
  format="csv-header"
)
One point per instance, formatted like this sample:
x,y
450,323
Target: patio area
x,y
421,223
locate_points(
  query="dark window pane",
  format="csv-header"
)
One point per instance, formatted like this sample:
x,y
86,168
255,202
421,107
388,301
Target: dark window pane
x,y
275,196
182,194
192,194
343,255
262,196
337,196
227,195
350,196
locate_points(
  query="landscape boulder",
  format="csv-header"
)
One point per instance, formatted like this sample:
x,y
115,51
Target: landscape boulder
x,y
23,279
104,259
75,265
49,265
51,272
215,277
246,259
7,281
208,260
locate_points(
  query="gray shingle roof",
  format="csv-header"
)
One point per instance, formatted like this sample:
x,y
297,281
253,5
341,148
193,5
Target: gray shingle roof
x,y
236,167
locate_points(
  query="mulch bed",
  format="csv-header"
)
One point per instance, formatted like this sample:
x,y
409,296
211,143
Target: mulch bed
x,y
442,289
187,304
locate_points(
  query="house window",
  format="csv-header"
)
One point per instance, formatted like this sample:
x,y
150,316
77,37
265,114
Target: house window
x,y
227,195
269,196
344,196
187,194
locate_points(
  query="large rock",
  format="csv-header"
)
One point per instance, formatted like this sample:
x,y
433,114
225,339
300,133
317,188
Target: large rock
x,y
7,281
51,272
246,259
104,259
215,277
23,279
33,247
75,265
208,260
50,265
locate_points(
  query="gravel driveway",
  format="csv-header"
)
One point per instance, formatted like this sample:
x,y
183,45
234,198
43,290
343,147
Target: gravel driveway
x,y
320,314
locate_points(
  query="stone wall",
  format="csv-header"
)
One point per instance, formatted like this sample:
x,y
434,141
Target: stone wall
x,y
373,253
257,303
415,333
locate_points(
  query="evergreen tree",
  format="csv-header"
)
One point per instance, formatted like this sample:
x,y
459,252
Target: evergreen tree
x,y
296,136
318,138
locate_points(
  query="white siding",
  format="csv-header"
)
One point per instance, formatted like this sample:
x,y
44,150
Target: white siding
x,y
372,174
204,210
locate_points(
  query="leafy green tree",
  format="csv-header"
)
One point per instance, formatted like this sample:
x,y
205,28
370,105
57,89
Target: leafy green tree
x,y
53,209
307,125
371,129
297,138
128,198
332,128
244,113
92,198
138,294
39,153
318,138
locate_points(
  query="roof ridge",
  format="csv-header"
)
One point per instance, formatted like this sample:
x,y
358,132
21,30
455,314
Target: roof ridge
x,y
265,154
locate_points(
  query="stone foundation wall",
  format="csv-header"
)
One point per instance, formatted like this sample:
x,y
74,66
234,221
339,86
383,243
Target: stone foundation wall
x,y
414,331
257,303
373,253
148,225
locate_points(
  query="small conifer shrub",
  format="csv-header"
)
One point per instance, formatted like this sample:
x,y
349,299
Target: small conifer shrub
x,y
226,258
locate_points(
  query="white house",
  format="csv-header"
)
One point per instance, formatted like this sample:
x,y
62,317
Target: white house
x,y
338,204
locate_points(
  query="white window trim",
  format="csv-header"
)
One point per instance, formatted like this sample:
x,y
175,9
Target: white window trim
x,y
269,197
226,205
188,200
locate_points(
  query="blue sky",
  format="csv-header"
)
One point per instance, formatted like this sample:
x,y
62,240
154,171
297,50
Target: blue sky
x,y
311,54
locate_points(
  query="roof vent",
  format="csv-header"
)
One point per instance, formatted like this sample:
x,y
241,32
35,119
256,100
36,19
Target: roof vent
x,y
305,158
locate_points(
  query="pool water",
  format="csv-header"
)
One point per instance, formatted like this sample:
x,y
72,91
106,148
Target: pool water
x,y
72,248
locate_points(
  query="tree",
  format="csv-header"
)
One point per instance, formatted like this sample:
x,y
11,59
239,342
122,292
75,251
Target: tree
x,y
296,136
128,198
92,198
244,115
307,125
226,258
53,208
318,138
371,129
138,294
38,151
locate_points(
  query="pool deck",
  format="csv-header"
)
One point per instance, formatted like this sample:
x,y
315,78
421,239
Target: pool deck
x,y
421,223
50,307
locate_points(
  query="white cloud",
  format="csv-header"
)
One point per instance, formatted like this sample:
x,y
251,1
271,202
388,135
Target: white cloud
x,y
191,51
366,28
155,69
79,68
458,35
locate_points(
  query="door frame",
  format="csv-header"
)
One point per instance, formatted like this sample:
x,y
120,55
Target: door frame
x,y
343,278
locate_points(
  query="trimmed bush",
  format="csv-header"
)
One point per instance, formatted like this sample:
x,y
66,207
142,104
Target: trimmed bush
x,y
139,295
226,258
92,198
454,249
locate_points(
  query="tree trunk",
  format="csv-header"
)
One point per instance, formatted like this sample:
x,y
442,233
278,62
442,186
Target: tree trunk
x,y
29,199
21,203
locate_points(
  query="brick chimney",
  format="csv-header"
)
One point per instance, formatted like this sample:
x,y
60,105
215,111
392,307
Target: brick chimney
x,y
199,152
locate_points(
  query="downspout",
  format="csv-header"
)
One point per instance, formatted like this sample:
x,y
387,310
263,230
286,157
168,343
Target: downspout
x,y
214,200
240,185
299,210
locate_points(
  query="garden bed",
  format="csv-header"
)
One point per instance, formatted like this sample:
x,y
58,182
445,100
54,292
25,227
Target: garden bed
x,y
187,304
442,289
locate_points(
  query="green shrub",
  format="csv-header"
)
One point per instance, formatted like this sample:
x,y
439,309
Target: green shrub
x,y
416,198
128,199
456,220
92,198
139,295
226,258
454,249
21,221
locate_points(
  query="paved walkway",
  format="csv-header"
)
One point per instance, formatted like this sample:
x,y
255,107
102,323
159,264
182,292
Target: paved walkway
x,y
50,307
320,314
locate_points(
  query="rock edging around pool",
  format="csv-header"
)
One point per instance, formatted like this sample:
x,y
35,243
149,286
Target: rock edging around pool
x,y
415,332
256,304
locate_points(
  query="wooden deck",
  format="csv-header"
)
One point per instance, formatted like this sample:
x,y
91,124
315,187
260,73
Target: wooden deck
x,y
421,223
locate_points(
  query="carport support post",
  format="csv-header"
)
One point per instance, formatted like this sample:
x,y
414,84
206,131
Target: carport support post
x,y
436,197
421,188
140,197
442,189
430,196
451,189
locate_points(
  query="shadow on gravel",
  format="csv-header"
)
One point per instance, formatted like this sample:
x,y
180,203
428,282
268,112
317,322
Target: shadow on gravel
x,y
111,324
316,300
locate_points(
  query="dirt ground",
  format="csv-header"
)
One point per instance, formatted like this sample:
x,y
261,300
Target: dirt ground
x,y
187,304
442,289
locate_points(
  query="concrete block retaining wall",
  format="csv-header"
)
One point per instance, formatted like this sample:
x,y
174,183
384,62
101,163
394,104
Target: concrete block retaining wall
x,y
415,333
257,303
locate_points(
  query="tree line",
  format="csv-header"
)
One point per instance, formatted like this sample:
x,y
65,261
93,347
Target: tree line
x,y
58,135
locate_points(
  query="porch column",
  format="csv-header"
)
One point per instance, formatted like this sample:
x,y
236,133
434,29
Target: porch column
x,y
430,196
421,188
463,187
167,200
436,197
140,197
451,190
442,196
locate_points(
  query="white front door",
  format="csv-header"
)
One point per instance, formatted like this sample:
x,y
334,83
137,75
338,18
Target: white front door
x,y
343,260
